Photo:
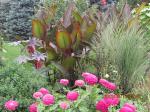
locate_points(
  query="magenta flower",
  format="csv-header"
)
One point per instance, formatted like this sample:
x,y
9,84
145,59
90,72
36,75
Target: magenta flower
x,y
90,78
64,105
102,106
11,105
33,107
48,99
44,91
126,109
111,99
37,95
107,84
79,83
130,106
64,82
72,95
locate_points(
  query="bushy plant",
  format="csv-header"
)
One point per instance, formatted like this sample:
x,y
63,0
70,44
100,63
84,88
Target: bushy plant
x,y
82,5
19,82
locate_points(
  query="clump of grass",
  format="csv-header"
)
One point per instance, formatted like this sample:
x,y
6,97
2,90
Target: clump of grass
x,y
124,47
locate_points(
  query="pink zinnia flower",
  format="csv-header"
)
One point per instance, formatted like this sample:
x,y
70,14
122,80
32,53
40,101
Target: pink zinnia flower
x,y
11,105
90,78
64,82
102,106
111,99
44,91
37,95
33,107
48,99
130,106
72,95
107,84
64,105
126,109
79,83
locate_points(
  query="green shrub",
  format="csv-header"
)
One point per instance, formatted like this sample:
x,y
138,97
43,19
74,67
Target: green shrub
x,y
19,82
82,5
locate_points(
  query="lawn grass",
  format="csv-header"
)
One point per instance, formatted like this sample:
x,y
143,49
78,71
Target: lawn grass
x,y
10,52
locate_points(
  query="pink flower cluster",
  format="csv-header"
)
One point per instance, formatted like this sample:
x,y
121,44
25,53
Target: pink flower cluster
x,y
127,107
102,105
45,96
106,102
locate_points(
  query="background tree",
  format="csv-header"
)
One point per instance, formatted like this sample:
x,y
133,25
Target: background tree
x,y
16,20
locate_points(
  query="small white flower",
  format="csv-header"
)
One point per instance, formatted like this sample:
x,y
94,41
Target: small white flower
x,y
114,71
106,76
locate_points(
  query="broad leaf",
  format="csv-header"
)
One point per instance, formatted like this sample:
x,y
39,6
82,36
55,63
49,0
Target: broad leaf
x,y
67,15
63,40
77,17
51,55
68,63
76,35
89,31
38,29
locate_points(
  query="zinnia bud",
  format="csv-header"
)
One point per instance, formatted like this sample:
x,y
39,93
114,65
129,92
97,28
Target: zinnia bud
x,y
48,99
11,105
64,82
107,84
64,105
72,95
37,95
33,107
79,83
90,78
44,91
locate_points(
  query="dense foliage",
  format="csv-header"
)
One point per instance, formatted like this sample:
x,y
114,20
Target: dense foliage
x,y
19,82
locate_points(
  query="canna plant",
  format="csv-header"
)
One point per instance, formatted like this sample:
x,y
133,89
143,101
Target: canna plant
x,y
62,43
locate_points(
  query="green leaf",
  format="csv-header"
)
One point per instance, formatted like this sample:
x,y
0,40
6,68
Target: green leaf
x,y
68,62
38,29
77,16
90,30
63,40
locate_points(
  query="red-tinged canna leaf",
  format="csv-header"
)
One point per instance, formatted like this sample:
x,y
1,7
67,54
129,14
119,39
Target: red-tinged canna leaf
x,y
67,15
63,40
38,29
68,63
77,16
76,35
